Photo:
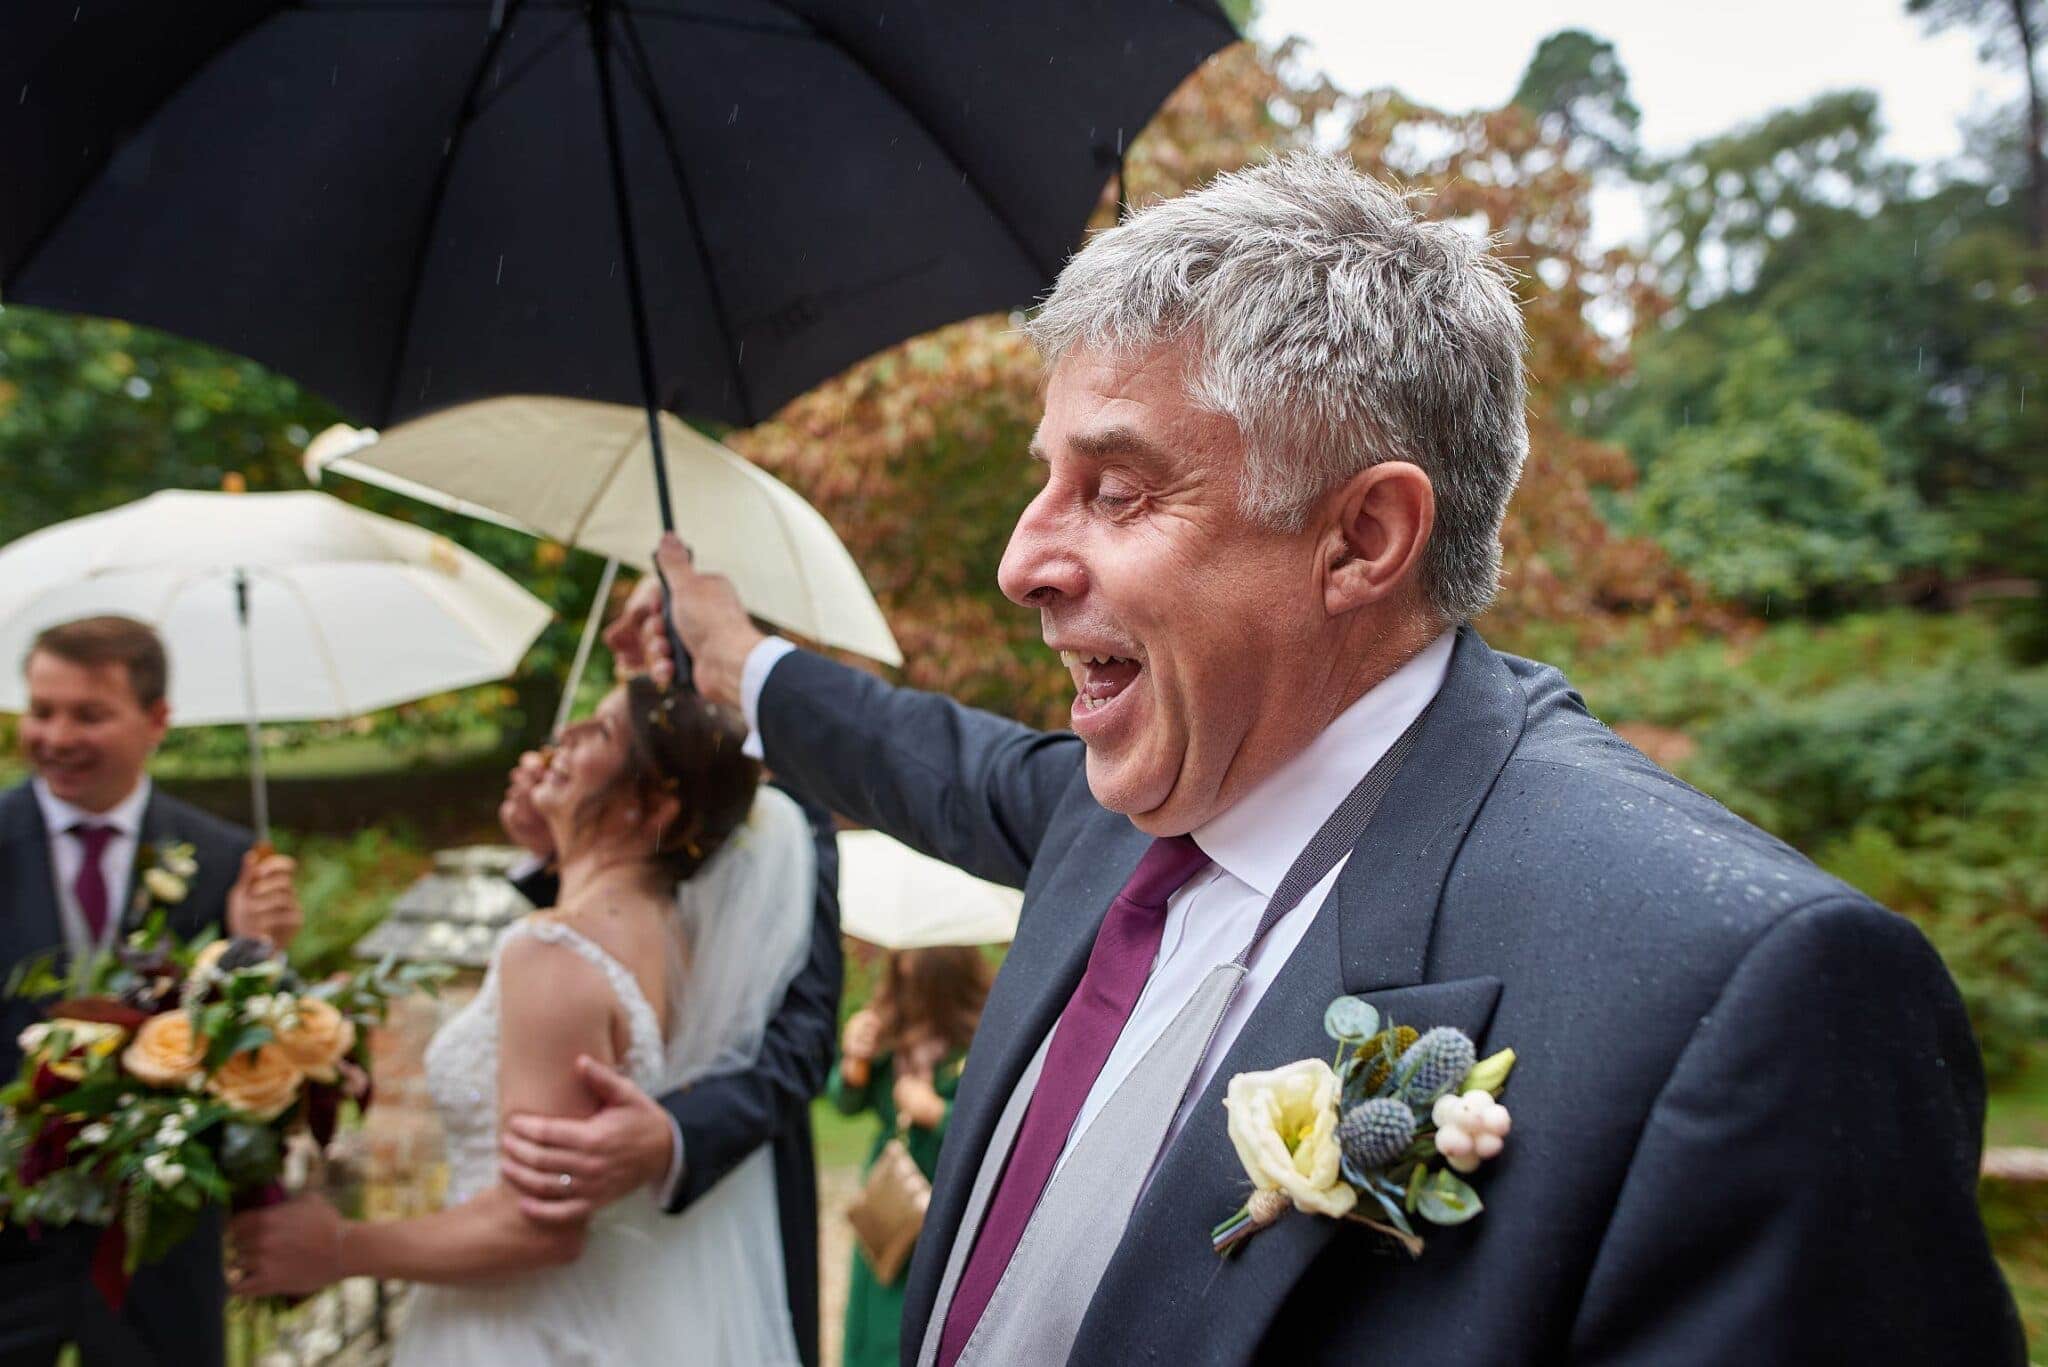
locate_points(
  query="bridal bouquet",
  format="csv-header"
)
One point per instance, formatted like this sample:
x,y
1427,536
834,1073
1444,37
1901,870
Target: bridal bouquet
x,y
168,1082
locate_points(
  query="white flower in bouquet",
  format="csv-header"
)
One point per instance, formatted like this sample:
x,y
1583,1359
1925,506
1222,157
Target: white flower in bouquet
x,y
164,885
279,1010
163,1169
96,1134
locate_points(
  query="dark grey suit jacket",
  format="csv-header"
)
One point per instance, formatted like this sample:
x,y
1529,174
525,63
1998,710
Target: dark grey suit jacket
x,y
1747,1104
173,1311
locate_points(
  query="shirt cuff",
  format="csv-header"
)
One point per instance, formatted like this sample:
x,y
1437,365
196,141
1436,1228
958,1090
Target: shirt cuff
x,y
753,678
672,1185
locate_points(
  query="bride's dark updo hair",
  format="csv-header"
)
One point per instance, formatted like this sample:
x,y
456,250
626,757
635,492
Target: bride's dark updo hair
x,y
682,746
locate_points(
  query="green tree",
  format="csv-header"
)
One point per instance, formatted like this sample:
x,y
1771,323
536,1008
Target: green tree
x,y
1779,499
1576,88
2011,31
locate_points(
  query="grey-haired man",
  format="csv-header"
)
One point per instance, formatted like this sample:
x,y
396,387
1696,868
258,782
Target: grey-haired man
x,y
1284,417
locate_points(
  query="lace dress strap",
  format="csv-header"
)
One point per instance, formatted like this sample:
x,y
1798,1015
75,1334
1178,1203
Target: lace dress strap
x,y
644,1059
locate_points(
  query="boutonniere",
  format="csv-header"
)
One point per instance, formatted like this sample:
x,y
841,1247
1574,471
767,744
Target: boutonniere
x,y
166,878
1366,1131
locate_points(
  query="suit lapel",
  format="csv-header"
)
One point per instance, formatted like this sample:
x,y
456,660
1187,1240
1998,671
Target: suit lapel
x,y
1371,937
32,920
1056,931
154,833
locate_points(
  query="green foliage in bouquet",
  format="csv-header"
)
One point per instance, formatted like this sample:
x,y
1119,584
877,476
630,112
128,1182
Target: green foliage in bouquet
x,y
168,1078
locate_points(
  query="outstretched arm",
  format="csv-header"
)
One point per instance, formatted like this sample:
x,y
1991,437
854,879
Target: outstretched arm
x,y
1805,1187
563,1011
967,787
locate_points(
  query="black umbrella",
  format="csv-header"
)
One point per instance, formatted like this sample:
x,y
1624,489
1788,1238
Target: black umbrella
x,y
700,205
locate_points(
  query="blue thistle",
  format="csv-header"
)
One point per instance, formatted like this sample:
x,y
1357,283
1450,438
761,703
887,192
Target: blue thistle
x,y
1375,1133
1436,1063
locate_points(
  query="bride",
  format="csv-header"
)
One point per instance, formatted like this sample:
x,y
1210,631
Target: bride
x,y
685,909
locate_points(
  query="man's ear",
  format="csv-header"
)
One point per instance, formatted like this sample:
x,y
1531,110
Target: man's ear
x,y
1379,522
159,714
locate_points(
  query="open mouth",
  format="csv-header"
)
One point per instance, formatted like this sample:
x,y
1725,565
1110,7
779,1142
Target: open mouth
x,y
1099,680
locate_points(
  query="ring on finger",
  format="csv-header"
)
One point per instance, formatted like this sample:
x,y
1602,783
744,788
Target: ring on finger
x,y
566,1181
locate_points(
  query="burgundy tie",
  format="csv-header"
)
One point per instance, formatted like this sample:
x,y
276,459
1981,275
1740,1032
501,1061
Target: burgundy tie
x,y
91,887
1087,1030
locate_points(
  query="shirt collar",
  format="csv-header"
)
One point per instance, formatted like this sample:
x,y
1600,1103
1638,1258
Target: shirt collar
x,y
124,816
1259,837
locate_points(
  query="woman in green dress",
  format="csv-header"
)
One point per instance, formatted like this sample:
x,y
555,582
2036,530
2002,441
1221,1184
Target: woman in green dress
x,y
900,1056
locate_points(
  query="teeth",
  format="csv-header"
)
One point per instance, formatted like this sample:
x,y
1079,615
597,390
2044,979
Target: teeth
x,y
1069,658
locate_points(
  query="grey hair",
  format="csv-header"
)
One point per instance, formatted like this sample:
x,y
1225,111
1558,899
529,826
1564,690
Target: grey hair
x,y
1337,328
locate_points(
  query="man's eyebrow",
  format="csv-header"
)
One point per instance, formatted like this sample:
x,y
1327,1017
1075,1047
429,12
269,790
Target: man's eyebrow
x,y
1108,442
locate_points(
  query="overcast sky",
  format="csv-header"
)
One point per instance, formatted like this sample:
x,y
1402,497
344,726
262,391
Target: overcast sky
x,y
1695,69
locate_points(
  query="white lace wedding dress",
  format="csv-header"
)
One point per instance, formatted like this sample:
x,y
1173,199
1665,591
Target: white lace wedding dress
x,y
703,1287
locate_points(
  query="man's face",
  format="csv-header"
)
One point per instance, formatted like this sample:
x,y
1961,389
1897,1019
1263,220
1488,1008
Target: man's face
x,y
85,732
1190,631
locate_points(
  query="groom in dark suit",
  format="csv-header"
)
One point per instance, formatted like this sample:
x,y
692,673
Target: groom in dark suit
x,y
75,843
1283,421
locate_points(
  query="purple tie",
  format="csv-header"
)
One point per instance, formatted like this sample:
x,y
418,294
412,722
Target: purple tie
x,y
1087,1030
91,887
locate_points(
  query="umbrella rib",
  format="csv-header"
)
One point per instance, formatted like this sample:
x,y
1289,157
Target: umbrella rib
x,y
424,245
320,641
505,83
642,72
967,176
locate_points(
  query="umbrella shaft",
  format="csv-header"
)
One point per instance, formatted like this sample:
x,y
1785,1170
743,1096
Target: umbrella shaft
x,y
259,788
629,251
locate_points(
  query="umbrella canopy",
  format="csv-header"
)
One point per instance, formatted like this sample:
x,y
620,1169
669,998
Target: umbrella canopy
x,y
407,204
892,896
578,472
348,612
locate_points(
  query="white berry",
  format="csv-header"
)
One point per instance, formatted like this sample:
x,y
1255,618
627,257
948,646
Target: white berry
x,y
1486,1145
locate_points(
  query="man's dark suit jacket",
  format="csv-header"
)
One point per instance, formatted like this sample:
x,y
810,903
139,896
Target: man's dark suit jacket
x,y
1747,1104
725,1118
173,1310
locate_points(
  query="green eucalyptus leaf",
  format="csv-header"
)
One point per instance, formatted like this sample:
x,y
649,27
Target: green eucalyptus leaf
x,y
1447,1200
1350,1019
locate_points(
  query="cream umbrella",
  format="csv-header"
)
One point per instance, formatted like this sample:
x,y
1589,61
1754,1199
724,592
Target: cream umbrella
x,y
273,607
892,896
579,472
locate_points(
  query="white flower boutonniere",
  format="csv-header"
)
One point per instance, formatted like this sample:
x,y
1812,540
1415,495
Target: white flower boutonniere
x,y
166,878
1339,1139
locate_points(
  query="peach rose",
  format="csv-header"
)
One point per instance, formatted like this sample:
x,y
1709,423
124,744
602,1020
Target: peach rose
x,y
319,1038
165,1052
262,1081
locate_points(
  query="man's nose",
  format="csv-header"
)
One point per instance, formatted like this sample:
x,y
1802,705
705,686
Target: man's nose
x,y
1040,565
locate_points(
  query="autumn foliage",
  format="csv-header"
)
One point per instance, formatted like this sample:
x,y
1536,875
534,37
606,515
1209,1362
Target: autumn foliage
x,y
917,454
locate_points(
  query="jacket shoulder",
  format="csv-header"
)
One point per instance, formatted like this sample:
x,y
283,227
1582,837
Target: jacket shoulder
x,y
200,826
1580,817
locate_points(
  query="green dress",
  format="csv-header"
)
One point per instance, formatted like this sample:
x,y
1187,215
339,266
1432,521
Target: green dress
x,y
874,1311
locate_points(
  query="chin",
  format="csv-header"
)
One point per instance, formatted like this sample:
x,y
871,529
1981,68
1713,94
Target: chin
x,y
1121,788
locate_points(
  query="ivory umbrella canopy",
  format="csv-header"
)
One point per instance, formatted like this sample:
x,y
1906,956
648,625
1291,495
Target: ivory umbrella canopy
x,y
579,472
892,896
273,607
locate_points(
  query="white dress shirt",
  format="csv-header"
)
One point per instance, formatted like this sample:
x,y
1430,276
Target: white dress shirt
x,y
67,857
1252,844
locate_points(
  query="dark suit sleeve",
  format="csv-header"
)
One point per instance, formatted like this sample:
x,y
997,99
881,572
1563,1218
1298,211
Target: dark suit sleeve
x,y
964,786
725,1118
540,887
1804,1190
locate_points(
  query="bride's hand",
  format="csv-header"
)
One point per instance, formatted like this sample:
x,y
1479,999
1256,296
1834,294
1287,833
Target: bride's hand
x,y
292,1249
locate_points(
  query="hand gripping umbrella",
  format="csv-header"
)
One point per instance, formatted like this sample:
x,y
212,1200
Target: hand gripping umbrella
x,y
706,206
